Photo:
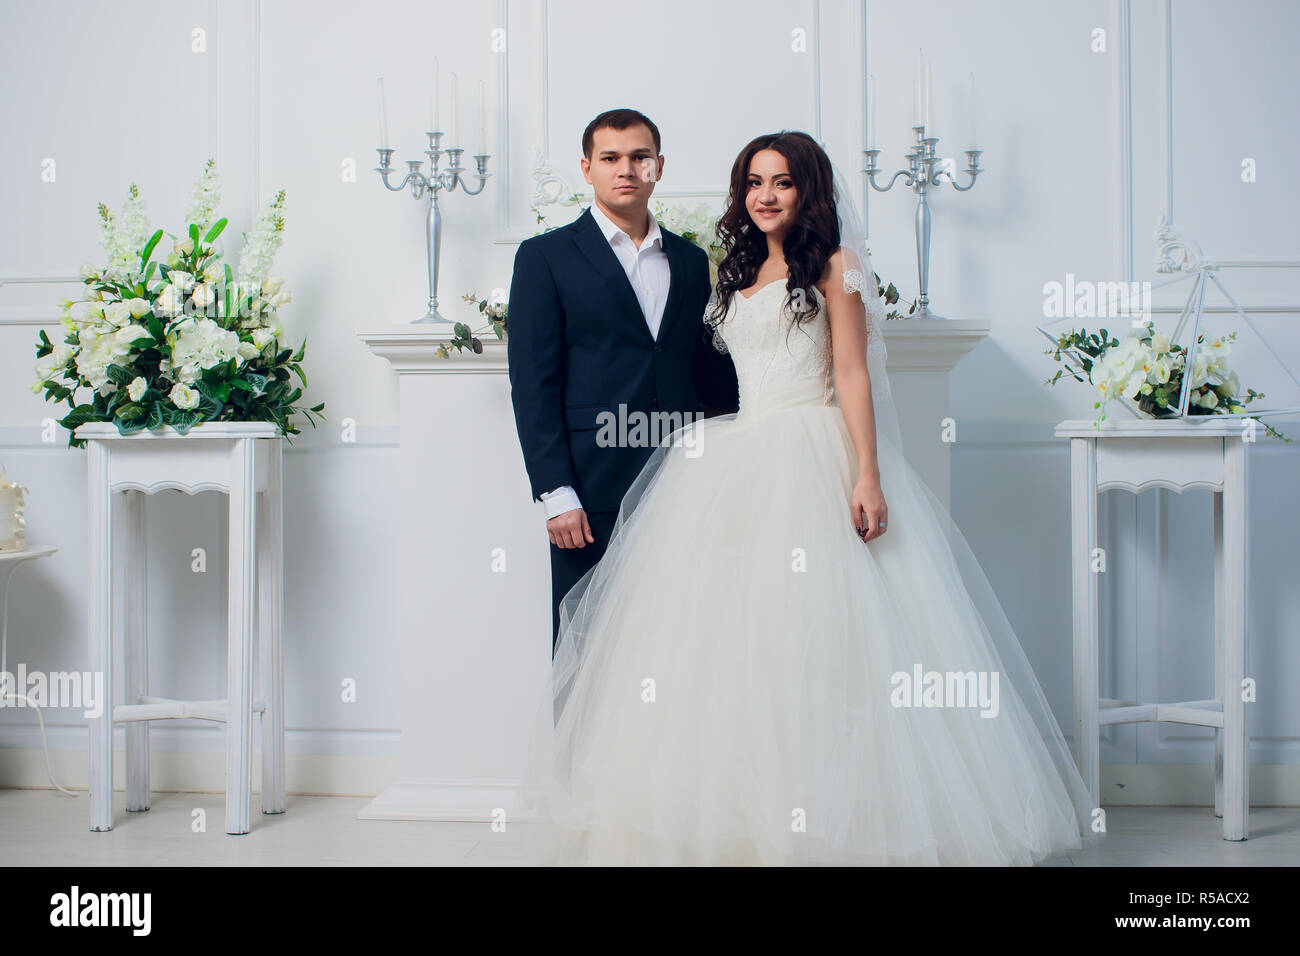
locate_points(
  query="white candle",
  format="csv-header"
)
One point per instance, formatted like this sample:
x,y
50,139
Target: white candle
x,y
455,114
383,117
929,120
970,108
433,100
871,87
917,83
482,117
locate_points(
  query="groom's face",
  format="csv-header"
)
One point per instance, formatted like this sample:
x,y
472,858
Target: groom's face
x,y
623,167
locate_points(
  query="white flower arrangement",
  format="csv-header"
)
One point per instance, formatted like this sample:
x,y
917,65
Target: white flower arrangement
x,y
190,346
1146,370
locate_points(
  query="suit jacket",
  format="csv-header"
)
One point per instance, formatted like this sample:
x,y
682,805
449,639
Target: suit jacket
x,y
578,345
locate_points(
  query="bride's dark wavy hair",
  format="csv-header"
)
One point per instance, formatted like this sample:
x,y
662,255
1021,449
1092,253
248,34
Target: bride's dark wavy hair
x,y
810,242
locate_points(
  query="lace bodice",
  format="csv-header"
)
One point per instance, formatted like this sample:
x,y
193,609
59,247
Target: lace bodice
x,y
774,358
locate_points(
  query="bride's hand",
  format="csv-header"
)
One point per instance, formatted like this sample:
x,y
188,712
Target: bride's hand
x,y
870,516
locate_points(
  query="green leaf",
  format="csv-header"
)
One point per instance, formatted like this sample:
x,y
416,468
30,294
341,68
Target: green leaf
x,y
301,375
230,287
148,273
283,356
130,411
149,247
121,374
183,419
209,409
156,329
239,383
194,232
125,427
215,230
155,418
302,350
79,416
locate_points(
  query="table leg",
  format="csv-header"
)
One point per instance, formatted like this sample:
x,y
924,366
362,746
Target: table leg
x,y
1236,770
270,560
241,581
99,521
1083,542
1218,646
135,654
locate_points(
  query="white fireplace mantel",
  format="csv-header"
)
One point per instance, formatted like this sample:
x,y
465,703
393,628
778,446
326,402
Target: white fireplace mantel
x,y
475,572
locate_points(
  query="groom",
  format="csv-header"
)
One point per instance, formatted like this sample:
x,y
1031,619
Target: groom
x,y
606,312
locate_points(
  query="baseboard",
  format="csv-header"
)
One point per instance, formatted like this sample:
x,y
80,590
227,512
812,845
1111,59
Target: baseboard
x,y
352,775
398,798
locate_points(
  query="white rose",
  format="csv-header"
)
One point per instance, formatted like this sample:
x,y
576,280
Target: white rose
x,y
183,396
128,334
118,313
138,307
498,298
181,279
184,247
247,350
203,295
261,337
1160,342
136,388
47,365
213,273
169,301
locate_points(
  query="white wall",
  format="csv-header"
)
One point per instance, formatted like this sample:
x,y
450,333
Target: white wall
x,y
1083,151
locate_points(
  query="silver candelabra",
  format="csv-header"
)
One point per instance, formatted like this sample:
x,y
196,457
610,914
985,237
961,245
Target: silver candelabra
x,y
434,182
924,170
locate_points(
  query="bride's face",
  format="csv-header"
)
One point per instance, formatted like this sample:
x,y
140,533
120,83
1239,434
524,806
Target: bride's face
x,y
771,199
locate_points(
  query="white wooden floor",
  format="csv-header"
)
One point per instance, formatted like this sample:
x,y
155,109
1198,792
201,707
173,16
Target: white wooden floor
x,y
47,828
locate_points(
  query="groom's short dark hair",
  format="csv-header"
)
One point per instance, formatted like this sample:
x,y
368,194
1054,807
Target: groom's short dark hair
x,y
617,119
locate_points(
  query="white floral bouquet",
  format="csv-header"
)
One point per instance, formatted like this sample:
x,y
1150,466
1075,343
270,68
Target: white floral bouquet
x,y
1145,371
193,345
697,225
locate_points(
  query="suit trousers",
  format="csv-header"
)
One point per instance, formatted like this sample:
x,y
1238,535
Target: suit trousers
x,y
568,565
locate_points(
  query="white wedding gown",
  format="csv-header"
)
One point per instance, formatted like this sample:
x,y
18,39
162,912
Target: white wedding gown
x,y
725,678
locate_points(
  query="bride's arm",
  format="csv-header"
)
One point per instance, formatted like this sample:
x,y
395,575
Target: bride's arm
x,y
848,325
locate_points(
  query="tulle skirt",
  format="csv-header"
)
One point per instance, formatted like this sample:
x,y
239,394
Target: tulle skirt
x,y
742,681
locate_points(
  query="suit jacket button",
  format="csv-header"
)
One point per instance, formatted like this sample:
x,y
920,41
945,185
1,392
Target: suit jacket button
x,y
659,348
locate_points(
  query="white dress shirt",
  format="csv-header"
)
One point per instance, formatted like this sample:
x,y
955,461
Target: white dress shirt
x,y
648,272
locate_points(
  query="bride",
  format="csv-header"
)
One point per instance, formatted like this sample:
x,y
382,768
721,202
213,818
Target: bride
x,y
788,653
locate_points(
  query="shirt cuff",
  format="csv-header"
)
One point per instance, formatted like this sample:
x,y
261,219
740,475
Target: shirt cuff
x,y
560,500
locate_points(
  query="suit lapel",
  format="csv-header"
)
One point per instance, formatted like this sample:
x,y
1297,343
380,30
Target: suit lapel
x,y
677,265
592,243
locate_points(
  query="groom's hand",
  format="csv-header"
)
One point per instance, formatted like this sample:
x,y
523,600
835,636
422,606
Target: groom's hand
x,y
568,530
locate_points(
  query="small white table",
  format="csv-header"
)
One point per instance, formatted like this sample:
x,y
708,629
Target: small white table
x,y
243,460
1205,453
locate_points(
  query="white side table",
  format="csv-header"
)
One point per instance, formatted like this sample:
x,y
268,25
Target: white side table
x,y
1207,453
242,459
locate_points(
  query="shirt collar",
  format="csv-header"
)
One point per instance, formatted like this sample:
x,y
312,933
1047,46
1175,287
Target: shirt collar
x,y
612,231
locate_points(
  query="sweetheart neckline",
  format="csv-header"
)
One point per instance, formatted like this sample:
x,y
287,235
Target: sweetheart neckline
x,y
759,289
747,298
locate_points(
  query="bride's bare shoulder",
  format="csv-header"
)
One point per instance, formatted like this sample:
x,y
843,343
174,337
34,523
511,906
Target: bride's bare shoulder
x,y
833,274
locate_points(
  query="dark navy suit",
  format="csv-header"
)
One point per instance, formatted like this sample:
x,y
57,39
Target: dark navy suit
x,y
579,344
